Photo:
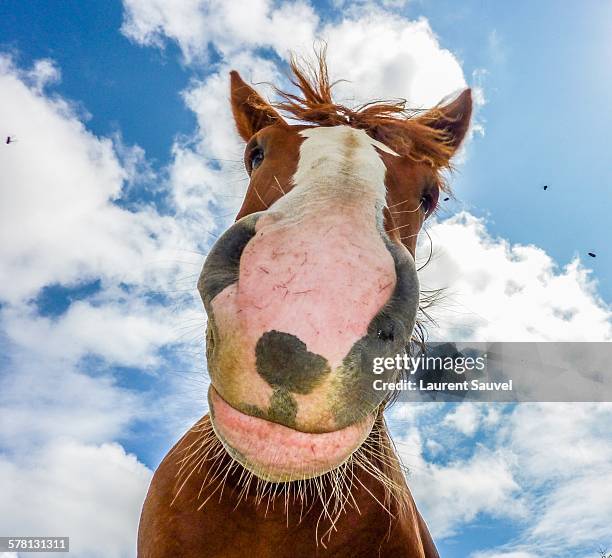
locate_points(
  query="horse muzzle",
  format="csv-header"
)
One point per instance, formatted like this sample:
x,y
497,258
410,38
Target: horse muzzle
x,y
298,308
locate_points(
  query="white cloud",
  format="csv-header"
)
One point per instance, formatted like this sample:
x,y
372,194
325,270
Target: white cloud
x,y
58,222
59,225
209,100
148,23
547,469
567,449
576,513
465,419
456,493
544,466
43,400
230,26
90,493
559,440
498,291
347,6
43,73
382,54
122,332
385,55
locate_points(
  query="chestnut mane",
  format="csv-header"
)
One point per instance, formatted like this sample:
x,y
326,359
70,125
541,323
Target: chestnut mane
x,y
389,122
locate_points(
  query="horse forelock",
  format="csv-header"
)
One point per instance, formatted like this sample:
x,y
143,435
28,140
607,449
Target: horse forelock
x,y
406,131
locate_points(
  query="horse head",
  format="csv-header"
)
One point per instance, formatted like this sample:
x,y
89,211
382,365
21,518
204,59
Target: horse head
x,y
317,276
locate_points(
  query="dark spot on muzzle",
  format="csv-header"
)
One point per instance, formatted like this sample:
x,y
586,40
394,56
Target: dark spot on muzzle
x,y
283,408
284,361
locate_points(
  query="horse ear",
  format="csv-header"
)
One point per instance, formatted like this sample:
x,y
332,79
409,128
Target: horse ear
x,y
251,112
453,118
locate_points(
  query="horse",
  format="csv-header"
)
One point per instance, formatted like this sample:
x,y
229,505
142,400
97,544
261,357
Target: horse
x,y
315,279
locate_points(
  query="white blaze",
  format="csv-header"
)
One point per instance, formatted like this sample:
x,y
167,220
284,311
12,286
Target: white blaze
x,y
337,162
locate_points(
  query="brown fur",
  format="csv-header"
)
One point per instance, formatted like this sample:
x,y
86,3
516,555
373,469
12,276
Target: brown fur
x,y
201,503
194,510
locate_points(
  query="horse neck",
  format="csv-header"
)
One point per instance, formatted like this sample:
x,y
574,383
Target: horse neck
x,y
201,497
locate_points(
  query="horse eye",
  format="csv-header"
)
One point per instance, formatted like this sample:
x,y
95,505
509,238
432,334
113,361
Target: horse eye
x,y
255,159
426,204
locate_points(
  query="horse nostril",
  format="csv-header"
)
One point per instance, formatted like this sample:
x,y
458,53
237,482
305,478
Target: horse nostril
x,y
386,333
210,340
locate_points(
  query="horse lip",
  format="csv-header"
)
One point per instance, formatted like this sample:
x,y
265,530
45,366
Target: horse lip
x,y
277,453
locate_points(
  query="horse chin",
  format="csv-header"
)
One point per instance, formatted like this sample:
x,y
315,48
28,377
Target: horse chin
x,y
277,453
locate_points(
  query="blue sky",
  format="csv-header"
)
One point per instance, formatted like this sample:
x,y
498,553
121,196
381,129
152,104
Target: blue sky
x,y
126,167
547,116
